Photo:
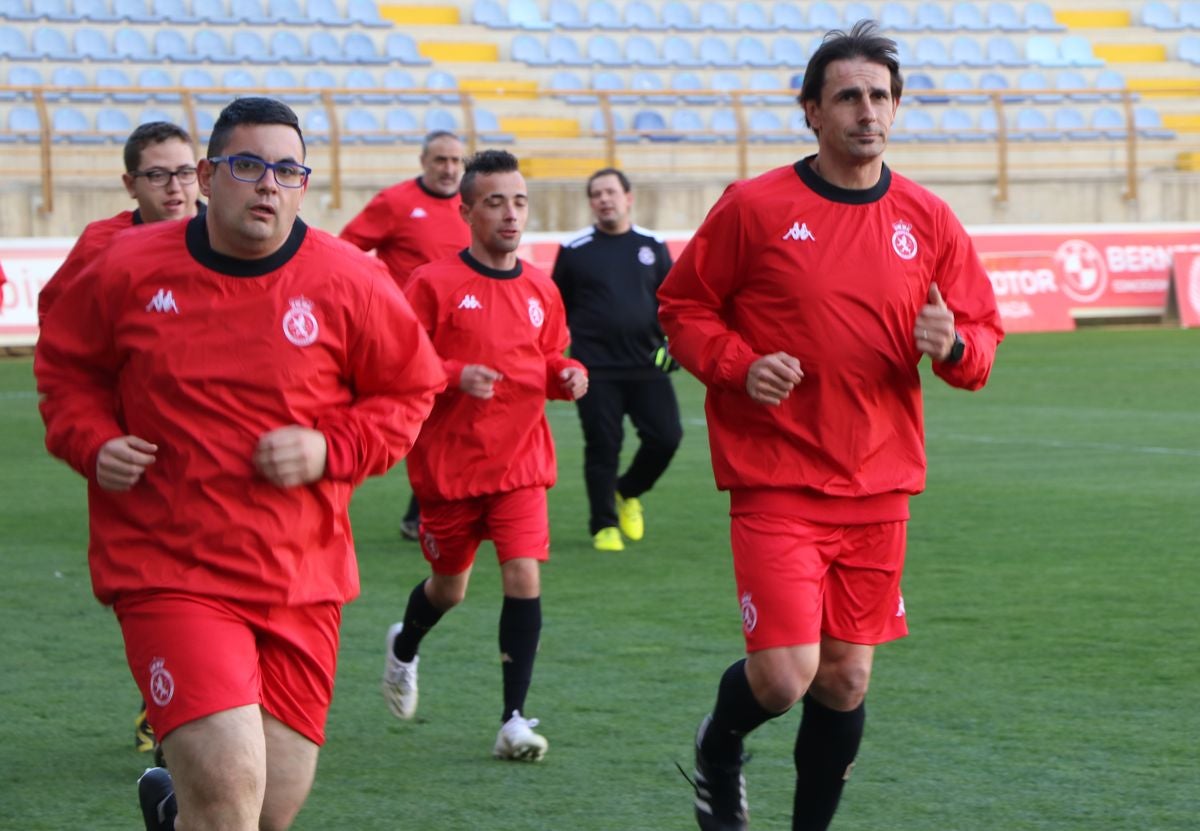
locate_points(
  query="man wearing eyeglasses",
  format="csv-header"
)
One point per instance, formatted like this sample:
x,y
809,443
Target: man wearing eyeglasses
x,y
160,173
224,384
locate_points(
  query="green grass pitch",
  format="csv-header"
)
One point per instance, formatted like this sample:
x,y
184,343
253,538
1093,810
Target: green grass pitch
x,y
1051,680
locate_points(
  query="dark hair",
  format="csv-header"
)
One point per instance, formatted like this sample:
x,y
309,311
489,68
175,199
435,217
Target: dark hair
x,y
430,138
485,163
863,41
152,132
251,111
609,171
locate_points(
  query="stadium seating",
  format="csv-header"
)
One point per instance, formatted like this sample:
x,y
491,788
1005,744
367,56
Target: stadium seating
x,y
23,125
1158,15
640,15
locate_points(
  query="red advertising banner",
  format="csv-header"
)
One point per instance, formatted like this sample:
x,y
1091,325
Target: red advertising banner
x,y
1045,277
1187,289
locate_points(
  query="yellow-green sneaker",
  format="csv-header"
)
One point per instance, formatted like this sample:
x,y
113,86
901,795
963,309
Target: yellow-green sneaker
x,y
629,515
608,539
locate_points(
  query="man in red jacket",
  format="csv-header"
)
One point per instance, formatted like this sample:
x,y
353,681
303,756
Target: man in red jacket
x,y
805,302
485,458
413,223
223,384
160,174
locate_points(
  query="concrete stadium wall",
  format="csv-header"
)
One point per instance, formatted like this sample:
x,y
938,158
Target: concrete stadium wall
x,y
680,204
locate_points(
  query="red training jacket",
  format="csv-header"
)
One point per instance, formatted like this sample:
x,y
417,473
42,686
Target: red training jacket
x,y
91,244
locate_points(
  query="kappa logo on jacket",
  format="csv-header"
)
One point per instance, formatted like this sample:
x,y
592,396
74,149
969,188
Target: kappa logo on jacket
x,y
799,231
470,301
163,302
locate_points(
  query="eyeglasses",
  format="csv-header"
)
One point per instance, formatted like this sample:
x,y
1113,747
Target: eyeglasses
x,y
250,169
159,177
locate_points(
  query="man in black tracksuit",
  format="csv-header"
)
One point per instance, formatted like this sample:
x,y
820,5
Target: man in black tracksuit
x,y
608,275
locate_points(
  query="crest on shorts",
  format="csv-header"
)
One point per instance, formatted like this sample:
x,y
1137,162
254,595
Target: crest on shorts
x,y
299,323
903,242
749,613
162,683
536,315
646,255
431,546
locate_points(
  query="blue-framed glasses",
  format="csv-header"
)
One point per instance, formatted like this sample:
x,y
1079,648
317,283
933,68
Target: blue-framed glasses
x,y
251,169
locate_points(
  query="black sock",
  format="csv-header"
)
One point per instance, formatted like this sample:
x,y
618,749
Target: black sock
x,y
735,714
520,630
826,745
419,617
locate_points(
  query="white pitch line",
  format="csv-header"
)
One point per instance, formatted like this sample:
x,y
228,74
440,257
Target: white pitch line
x,y
1061,444
17,394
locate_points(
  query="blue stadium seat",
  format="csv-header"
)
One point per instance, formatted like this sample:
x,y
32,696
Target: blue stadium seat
x,y
359,48
676,15
317,79
598,126
688,124
400,47
1109,122
677,50
919,126
213,11
931,51
200,81
51,44
1149,124
604,50
641,15
956,124
72,126
239,79
14,46
694,90
287,12
325,47
932,17
798,128
752,16
896,17
488,128
23,125
1003,15
361,126
528,50
154,77
993,82
565,14
403,124
130,44
562,50
252,12
326,13
1033,125
278,78
209,45
601,14
854,12
967,15
751,51
525,14
650,124
649,86
766,126
723,122
1189,14
1110,79
56,11
444,84
1040,18
915,85
1076,50
1070,79
286,48
155,114
988,124
24,78
358,80
91,44
715,16
789,18
365,13
823,16
608,81
16,10
170,11
118,79
68,82
1033,79
771,90
726,82
1041,50
439,119
135,11
113,125
315,123
564,81
960,81
489,13
96,11
714,51
1071,123
1158,15
1002,51
248,45
400,83
965,50
641,51
788,51
1189,49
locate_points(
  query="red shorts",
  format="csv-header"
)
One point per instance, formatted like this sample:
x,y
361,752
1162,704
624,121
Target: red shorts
x,y
799,580
515,521
193,656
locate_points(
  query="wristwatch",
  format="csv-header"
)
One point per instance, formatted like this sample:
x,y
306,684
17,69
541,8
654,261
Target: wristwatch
x,y
957,350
